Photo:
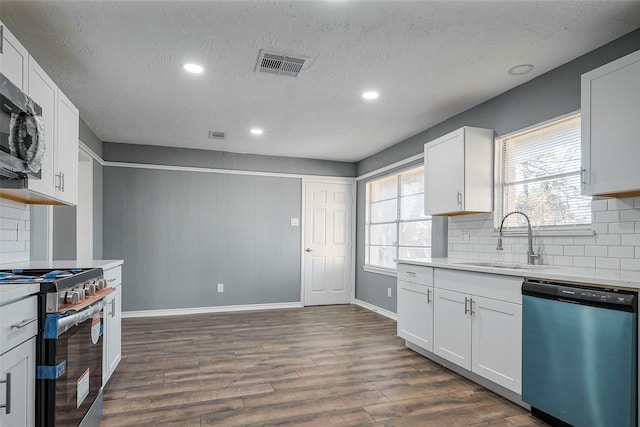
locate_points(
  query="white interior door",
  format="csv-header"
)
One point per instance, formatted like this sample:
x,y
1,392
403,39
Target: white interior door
x,y
328,254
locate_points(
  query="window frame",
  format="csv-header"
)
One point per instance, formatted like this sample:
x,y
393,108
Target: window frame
x,y
499,175
397,221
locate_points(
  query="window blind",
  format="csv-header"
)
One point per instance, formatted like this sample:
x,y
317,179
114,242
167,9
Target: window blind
x,y
541,176
395,222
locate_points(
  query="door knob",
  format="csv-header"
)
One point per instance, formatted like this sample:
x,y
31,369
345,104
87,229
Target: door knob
x,y
309,250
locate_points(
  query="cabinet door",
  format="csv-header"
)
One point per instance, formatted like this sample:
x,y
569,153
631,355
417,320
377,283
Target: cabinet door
x,y
112,334
610,111
444,174
452,327
44,92
415,314
497,341
66,165
18,366
14,59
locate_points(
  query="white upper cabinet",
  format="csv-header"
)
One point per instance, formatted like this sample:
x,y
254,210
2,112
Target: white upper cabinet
x,y
59,174
14,59
611,128
459,172
66,161
44,92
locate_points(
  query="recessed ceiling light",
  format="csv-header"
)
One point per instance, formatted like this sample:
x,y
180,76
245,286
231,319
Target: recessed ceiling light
x,y
193,68
256,131
521,69
370,95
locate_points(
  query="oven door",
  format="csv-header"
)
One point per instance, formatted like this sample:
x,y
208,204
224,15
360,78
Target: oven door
x,y
70,369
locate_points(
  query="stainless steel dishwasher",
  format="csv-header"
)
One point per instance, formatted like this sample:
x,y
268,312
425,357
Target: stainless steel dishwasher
x,y
579,354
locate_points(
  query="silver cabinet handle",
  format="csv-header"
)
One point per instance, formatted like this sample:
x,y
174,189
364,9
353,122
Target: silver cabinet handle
x,y
113,307
309,250
583,176
471,306
466,308
460,198
428,296
7,405
58,181
113,279
62,173
411,273
23,323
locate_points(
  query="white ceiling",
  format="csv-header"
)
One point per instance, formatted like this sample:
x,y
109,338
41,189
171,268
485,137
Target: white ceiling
x,y
121,62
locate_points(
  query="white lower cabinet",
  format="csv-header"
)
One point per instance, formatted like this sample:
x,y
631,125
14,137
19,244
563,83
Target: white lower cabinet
x,y
17,385
496,342
112,353
452,327
415,314
18,328
477,324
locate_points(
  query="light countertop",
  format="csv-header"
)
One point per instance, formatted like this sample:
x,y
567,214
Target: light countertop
x,y
602,277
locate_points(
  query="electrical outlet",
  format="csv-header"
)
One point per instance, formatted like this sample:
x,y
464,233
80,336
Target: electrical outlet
x,y
389,292
220,287
295,222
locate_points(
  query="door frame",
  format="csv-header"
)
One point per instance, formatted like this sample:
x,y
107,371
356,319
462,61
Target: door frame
x,y
352,273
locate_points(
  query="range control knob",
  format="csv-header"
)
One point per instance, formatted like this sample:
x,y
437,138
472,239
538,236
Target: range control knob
x,y
102,283
80,292
89,289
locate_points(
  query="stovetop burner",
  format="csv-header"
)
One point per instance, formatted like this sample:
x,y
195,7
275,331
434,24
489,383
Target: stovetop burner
x,y
50,280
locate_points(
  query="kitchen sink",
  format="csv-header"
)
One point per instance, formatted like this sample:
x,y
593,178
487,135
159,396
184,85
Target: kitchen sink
x,y
504,265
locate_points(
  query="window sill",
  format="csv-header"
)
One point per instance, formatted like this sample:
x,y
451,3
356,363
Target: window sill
x,y
547,233
380,270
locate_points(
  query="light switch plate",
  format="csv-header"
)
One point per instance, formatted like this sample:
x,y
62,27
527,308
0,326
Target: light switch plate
x,y
295,222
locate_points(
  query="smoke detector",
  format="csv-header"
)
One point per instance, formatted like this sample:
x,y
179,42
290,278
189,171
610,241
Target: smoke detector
x,y
277,63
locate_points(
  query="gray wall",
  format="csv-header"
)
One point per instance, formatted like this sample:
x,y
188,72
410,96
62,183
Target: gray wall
x,y
64,232
224,160
181,233
548,96
89,138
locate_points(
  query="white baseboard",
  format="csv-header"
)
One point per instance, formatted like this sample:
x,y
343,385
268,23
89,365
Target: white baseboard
x,y
376,309
203,310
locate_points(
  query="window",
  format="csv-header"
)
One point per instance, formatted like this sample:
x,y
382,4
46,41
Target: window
x,y
540,176
396,226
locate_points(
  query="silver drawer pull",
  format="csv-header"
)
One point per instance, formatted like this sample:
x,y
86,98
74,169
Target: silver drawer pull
x,y
23,323
466,307
111,280
411,273
7,405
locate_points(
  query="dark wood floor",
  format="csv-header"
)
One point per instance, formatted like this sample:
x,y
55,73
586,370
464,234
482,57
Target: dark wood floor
x,y
315,366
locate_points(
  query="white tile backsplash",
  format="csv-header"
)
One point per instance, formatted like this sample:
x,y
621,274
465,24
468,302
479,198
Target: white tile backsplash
x,y
14,231
615,245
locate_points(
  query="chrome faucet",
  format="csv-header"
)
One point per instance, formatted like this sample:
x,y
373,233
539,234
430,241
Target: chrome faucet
x,y
531,256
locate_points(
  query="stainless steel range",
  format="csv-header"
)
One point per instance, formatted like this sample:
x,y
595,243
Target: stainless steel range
x,y
68,345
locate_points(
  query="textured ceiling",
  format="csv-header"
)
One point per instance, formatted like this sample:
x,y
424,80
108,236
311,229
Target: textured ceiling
x,y
121,62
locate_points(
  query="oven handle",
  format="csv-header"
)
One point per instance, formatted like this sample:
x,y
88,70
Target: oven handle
x,y
66,322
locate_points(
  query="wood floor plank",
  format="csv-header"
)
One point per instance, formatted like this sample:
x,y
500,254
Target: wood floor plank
x,y
314,366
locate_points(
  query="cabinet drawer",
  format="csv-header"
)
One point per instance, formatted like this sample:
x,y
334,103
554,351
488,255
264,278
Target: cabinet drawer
x,y
18,322
113,276
413,287
415,274
496,286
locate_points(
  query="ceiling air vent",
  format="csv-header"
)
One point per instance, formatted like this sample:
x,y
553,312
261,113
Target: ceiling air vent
x,y
275,63
216,135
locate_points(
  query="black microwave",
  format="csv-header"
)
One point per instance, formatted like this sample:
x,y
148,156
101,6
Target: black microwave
x,y
14,103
